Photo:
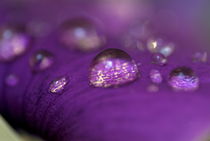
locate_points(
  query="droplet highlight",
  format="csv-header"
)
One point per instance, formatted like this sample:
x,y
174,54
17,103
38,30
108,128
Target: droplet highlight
x,y
41,60
58,85
111,68
156,76
81,34
183,78
13,43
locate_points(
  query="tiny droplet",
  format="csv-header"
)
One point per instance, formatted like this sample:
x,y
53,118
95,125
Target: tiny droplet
x,y
159,59
156,76
41,60
58,85
12,80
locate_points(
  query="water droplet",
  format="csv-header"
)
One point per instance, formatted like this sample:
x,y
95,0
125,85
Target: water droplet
x,y
58,85
111,68
160,46
183,78
13,42
12,80
152,88
81,34
156,76
159,59
200,57
41,60
167,50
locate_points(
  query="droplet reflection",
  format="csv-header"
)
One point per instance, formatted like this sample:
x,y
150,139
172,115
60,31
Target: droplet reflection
x,y
81,34
41,60
111,68
13,42
156,76
183,78
58,85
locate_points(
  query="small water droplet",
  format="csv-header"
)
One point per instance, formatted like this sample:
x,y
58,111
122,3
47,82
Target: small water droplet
x,y
41,60
111,68
167,49
58,85
156,76
13,42
12,80
183,78
152,88
200,57
81,34
159,59
160,46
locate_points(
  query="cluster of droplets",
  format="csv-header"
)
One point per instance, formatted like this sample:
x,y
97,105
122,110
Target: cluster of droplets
x,y
111,67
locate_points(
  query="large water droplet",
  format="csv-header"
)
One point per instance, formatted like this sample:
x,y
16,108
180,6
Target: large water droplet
x,y
11,80
13,42
111,68
58,85
183,78
159,59
156,76
41,60
81,34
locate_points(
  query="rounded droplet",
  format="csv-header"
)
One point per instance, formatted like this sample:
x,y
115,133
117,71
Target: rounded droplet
x,y
156,76
13,43
11,80
81,34
159,59
200,57
41,60
183,78
58,85
111,68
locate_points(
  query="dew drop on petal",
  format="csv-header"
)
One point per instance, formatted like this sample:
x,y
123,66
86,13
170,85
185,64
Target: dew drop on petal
x,y
160,46
13,43
183,78
200,57
156,76
11,80
159,59
58,85
111,68
167,49
81,34
41,60
152,88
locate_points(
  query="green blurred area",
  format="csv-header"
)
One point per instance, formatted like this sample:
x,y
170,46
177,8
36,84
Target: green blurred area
x,y
8,134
